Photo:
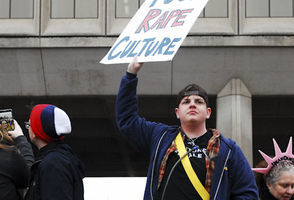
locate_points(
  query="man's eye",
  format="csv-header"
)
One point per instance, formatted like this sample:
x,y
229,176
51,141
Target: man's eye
x,y
186,101
200,102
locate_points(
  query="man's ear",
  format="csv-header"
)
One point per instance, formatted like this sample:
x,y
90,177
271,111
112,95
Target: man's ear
x,y
177,112
208,113
268,185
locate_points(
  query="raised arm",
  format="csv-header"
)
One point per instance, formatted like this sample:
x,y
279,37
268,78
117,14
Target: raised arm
x,y
22,144
136,129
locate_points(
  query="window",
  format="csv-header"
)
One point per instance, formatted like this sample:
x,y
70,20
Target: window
x,y
16,9
266,17
119,13
19,17
74,9
73,17
269,8
218,18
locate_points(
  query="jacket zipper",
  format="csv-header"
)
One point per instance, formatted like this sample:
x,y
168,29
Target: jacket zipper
x,y
152,172
221,175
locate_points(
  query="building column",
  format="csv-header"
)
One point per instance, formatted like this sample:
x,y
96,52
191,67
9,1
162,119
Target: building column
x,y
234,115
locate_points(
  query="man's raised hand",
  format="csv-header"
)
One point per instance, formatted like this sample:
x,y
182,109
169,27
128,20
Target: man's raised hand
x,y
134,66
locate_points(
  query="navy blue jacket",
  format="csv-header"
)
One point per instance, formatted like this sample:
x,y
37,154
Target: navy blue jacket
x,y
232,178
57,174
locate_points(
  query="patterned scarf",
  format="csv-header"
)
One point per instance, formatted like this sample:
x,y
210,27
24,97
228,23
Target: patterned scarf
x,y
212,152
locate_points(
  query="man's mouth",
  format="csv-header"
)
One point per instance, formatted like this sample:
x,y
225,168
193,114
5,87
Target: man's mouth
x,y
192,112
287,197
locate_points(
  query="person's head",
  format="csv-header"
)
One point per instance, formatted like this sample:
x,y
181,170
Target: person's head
x,y
280,180
4,124
192,104
279,172
48,123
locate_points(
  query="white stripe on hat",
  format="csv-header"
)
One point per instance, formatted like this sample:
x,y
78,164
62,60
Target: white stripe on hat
x,y
62,122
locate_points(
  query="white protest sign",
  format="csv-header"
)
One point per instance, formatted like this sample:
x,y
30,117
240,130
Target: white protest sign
x,y
156,31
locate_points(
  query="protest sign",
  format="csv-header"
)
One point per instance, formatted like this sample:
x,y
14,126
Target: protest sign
x,y
156,31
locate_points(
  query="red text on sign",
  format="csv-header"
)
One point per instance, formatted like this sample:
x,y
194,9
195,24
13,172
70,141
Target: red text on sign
x,y
156,20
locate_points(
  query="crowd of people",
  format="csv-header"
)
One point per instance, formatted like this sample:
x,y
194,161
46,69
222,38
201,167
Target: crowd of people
x,y
187,161
54,173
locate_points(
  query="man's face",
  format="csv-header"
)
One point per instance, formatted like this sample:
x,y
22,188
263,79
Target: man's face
x,y
193,109
283,189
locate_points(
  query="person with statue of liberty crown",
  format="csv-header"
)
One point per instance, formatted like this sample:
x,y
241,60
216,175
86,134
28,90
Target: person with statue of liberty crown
x,y
276,178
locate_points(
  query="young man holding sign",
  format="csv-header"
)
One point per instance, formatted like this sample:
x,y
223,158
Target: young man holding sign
x,y
187,162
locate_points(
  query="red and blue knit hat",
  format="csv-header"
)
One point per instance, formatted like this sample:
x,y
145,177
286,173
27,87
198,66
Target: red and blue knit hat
x,y
49,122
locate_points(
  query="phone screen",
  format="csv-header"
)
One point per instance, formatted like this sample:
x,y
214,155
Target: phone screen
x,y
6,120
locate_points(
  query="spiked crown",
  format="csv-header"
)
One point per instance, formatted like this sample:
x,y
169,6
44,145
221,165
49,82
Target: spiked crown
x,y
279,156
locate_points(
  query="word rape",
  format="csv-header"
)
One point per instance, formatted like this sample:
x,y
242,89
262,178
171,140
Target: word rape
x,y
156,20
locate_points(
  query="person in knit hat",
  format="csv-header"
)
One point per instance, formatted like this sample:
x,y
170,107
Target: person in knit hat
x,y
57,173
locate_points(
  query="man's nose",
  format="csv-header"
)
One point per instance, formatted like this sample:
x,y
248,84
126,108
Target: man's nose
x,y
193,104
290,189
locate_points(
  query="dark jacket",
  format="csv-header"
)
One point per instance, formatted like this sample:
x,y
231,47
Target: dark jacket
x,y
25,149
14,169
232,178
57,174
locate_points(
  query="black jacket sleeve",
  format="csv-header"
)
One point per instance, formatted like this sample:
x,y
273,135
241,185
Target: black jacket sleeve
x,y
25,149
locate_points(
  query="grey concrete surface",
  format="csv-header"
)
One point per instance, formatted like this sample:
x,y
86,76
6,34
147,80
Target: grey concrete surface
x,y
77,71
21,72
234,115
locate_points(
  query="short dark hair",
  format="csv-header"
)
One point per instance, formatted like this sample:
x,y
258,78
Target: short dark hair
x,y
192,89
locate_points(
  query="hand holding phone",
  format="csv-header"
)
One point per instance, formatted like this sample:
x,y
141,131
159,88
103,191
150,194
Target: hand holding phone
x,y
16,132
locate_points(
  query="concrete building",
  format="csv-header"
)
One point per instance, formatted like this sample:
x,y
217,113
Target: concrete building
x,y
240,51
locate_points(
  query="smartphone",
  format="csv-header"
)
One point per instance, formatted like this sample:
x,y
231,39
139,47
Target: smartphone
x,y
6,120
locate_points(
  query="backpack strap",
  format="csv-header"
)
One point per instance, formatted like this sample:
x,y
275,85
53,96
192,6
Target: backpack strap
x,y
189,169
